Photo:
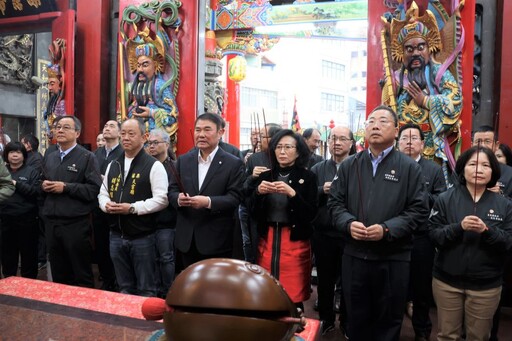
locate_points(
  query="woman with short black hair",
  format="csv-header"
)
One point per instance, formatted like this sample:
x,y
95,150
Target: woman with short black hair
x,y
20,228
471,228
284,205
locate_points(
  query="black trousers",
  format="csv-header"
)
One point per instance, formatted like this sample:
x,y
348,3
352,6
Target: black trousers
x,y
101,249
20,239
70,252
328,252
422,260
375,294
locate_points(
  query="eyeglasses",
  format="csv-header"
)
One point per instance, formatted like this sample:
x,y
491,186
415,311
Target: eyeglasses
x,y
286,147
339,138
411,138
64,127
381,122
155,143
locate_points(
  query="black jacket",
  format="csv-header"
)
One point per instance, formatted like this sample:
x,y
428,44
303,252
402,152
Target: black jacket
x,y
435,183
325,172
80,172
24,199
395,197
466,259
302,208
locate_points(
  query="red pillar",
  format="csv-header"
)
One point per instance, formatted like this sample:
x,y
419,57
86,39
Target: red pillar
x,y
232,108
92,67
505,81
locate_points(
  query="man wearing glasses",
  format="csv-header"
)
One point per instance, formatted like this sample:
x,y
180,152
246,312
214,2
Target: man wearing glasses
x,y
411,142
327,243
376,200
71,184
159,148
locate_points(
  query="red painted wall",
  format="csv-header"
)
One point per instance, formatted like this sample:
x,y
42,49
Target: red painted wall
x,y
92,66
504,56
375,67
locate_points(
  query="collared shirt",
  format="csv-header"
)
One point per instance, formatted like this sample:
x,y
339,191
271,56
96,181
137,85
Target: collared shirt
x,y
63,153
109,150
378,159
204,165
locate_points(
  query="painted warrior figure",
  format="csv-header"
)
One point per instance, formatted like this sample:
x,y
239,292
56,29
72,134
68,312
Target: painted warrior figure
x,y
425,91
56,102
156,108
149,34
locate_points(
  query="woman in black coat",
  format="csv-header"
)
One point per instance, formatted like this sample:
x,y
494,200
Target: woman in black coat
x,y
471,228
284,205
20,228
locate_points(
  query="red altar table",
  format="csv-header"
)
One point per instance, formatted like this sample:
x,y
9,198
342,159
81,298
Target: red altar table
x,y
40,310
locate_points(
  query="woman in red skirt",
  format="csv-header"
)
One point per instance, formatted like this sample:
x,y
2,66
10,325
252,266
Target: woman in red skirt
x,y
284,205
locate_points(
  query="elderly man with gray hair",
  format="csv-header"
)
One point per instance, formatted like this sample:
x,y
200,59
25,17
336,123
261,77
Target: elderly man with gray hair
x,y
159,147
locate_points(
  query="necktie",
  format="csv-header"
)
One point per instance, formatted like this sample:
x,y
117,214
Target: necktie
x,y
107,151
62,154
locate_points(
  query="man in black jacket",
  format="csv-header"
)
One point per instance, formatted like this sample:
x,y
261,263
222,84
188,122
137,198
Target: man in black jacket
x,y
134,190
111,151
377,199
327,242
411,142
313,139
71,184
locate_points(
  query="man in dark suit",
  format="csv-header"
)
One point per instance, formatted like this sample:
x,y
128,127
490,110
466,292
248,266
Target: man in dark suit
x,y
313,139
211,181
111,151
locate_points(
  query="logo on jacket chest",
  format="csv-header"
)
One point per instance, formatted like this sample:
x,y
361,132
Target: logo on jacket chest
x,y
492,215
391,176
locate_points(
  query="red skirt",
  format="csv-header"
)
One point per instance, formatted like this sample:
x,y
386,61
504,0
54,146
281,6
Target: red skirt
x,y
288,261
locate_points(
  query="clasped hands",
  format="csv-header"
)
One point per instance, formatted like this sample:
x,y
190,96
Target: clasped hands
x,y
53,186
280,187
359,231
197,201
473,223
117,208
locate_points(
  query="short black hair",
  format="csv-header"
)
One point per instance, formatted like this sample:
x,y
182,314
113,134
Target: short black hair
x,y
210,117
31,140
485,129
388,109
464,158
15,147
411,125
76,121
507,153
302,148
308,132
272,129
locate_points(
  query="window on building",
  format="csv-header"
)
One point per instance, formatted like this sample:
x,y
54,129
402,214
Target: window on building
x,y
332,102
334,71
252,97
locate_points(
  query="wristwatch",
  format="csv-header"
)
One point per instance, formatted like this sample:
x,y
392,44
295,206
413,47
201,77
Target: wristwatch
x,y
132,209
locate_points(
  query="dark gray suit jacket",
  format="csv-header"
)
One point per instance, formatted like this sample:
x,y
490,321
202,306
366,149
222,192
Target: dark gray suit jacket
x,y
212,229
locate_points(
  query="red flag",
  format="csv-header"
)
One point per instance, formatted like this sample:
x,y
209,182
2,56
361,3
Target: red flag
x,y
295,124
